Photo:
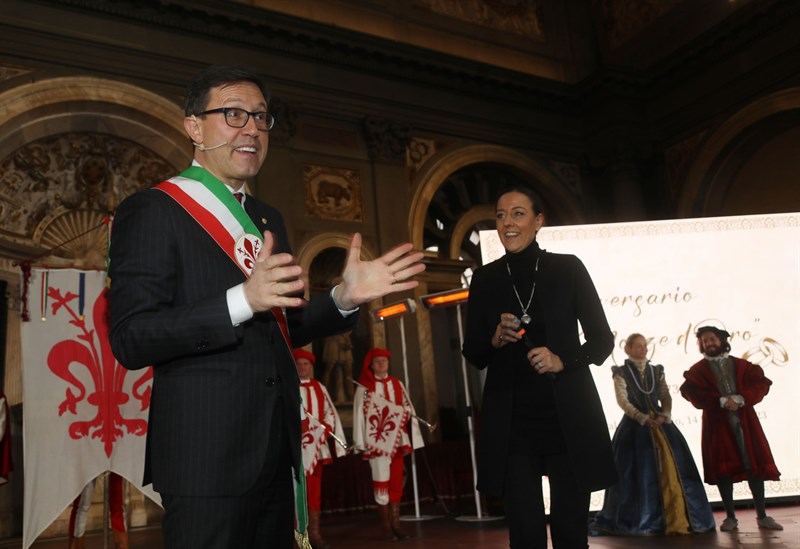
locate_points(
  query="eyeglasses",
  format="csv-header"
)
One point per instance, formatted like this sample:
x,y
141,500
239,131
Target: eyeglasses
x,y
237,118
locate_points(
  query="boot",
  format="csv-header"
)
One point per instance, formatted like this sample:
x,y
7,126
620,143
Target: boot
x,y
395,521
316,539
386,525
120,539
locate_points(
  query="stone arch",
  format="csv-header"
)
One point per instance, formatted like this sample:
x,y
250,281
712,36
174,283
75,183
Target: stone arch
x,y
76,113
39,108
481,212
436,171
305,257
711,164
321,242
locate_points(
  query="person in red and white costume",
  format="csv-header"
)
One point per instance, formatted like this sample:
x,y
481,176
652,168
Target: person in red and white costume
x,y
321,420
80,513
382,411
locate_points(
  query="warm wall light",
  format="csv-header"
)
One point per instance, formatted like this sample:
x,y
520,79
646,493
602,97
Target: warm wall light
x,y
449,298
395,309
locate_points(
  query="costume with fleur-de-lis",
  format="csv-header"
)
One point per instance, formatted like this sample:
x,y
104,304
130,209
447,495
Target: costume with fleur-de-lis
x,y
321,422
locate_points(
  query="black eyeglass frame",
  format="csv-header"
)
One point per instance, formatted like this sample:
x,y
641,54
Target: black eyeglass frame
x,y
269,117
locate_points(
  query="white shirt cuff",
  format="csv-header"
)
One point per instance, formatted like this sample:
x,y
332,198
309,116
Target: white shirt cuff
x,y
238,307
343,312
738,399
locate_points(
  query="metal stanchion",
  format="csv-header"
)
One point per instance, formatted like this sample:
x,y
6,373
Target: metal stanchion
x,y
454,298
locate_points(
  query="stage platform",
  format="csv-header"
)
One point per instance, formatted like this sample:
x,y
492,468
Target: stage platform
x,y
360,531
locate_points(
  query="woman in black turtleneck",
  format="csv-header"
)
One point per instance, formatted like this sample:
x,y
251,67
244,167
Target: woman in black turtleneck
x,y
541,413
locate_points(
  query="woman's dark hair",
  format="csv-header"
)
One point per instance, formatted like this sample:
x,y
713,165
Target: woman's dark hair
x,y
535,202
215,76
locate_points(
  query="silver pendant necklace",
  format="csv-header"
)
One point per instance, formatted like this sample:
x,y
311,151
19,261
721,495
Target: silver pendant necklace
x,y
526,318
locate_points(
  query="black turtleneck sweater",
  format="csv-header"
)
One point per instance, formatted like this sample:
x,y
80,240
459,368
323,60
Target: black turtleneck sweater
x,y
535,427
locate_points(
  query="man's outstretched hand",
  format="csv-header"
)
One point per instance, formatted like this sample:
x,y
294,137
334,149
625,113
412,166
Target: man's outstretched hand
x,y
363,281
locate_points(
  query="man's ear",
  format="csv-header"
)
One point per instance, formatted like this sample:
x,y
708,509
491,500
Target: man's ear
x,y
192,126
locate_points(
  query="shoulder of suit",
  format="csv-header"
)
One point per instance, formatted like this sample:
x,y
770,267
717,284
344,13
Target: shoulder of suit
x,y
257,204
145,199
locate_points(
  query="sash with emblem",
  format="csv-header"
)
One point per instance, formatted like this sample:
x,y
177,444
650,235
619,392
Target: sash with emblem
x,y
216,210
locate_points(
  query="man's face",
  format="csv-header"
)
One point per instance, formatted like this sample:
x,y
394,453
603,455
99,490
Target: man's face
x,y
380,366
241,157
712,346
305,369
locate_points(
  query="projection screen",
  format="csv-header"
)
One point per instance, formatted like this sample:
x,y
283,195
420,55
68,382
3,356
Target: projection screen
x,y
664,279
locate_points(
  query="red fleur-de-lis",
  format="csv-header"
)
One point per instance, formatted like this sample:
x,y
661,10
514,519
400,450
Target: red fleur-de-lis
x,y
92,350
249,249
382,423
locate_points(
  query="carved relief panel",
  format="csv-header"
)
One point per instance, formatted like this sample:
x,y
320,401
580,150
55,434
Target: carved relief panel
x,y
333,193
55,190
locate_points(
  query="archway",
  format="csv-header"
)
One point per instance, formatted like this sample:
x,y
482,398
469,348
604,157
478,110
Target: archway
x,y
747,164
440,167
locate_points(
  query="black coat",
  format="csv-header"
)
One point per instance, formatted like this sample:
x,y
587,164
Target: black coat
x,y
568,296
215,386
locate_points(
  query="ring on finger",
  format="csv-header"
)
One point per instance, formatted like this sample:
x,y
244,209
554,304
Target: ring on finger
x,y
538,365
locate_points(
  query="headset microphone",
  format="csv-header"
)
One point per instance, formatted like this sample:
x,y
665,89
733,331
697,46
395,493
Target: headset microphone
x,y
203,148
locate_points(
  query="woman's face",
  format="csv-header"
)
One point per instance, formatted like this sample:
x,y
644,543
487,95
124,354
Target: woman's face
x,y
516,222
637,349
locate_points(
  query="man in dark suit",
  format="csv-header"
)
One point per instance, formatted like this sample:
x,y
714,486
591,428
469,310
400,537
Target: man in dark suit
x,y
215,309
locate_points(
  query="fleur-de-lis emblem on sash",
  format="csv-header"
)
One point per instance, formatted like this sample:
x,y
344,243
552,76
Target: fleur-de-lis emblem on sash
x,y
382,422
247,248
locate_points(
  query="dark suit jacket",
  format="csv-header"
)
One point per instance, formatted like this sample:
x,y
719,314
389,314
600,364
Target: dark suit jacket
x,y
215,386
568,296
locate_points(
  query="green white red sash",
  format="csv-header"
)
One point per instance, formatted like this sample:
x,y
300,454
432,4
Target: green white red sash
x,y
217,211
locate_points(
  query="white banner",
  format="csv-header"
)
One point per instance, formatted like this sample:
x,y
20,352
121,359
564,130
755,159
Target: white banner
x,y
664,279
83,412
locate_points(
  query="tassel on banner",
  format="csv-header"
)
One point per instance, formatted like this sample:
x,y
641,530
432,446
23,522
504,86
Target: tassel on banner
x,y
25,267
110,222
45,284
81,293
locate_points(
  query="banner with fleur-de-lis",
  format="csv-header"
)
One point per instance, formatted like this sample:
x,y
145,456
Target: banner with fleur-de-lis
x,y
84,413
385,422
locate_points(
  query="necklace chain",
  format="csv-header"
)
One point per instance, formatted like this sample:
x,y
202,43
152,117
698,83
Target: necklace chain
x,y
635,375
516,293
